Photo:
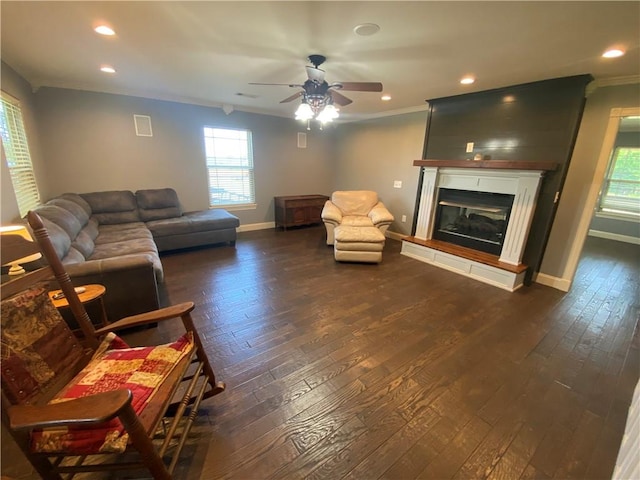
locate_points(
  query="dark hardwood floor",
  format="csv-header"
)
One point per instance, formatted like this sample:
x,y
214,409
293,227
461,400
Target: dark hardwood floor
x,y
402,370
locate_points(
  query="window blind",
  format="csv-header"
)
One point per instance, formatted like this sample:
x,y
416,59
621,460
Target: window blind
x,y
621,189
229,157
16,148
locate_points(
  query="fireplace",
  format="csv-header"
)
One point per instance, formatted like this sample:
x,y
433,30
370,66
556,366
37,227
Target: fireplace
x,y
472,219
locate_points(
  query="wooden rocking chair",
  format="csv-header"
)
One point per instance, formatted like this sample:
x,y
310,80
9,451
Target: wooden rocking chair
x,y
98,405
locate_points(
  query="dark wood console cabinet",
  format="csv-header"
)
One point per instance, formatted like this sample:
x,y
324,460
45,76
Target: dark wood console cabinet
x,y
295,210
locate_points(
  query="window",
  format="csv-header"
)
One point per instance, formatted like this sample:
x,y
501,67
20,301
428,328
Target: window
x,y
16,149
230,166
621,189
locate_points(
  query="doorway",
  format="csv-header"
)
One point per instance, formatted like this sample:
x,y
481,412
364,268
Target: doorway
x,y
613,127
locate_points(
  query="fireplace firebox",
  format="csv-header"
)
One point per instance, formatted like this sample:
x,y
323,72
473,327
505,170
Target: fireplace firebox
x,y
472,219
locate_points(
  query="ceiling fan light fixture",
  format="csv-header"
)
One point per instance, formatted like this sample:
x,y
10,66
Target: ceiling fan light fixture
x,y
304,112
328,114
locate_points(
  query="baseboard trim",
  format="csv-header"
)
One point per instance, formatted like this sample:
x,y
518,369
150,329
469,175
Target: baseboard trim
x,y
614,236
551,281
250,227
395,235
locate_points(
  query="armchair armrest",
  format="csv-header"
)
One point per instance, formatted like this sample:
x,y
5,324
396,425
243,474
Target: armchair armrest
x,y
174,311
97,408
331,213
380,215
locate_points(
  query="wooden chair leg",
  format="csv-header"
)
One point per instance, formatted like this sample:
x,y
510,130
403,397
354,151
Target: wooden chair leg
x,y
44,468
143,444
216,387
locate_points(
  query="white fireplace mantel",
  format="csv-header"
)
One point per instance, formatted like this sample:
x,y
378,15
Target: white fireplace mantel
x,y
522,184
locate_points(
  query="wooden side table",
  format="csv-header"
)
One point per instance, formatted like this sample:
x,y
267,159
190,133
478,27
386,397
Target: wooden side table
x,y
295,210
93,292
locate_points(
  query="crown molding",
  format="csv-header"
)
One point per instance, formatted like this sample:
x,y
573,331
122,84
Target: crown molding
x,y
388,113
611,82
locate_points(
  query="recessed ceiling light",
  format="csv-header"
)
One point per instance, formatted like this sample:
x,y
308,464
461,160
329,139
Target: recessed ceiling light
x,y
385,98
467,80
107,69
366,29
613,53
104,30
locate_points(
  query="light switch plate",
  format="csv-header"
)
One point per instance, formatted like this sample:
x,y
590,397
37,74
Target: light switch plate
x,y
397,184
469,147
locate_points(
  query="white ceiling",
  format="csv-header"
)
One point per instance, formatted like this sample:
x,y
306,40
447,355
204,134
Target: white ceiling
x,y
208,52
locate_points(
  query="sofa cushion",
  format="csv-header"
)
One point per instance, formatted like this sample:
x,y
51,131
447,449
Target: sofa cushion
x,y
36,346
113,207
346,234
77,199
73,208
73,256
356,221
355,202
84,244
141,370
125,247
192,222
61,217
123,232
91,228
158,204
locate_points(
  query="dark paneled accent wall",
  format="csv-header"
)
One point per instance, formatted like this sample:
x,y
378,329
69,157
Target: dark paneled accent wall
x,y
529,122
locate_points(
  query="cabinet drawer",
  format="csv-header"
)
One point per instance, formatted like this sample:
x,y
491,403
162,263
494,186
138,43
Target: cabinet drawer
x,y
304,203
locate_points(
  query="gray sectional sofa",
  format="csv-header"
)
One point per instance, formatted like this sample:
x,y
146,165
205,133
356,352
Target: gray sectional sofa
x,y
115,238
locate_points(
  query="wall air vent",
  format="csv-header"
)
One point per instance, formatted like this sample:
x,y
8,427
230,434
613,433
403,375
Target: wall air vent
x,y
302,140
143,125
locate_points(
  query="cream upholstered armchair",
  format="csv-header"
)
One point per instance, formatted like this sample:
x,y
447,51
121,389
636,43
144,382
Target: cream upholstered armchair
x,y
355,208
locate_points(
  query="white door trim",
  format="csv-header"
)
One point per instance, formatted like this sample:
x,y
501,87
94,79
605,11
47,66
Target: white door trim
x,y
594,190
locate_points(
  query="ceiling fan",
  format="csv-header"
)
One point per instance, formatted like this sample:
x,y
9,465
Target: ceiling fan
x,y
318,93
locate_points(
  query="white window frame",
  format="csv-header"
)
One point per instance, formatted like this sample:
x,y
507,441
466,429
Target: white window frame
x,y
623,209
230,171
13,137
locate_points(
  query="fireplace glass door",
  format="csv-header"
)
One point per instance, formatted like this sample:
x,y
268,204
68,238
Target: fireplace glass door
x,y
471,219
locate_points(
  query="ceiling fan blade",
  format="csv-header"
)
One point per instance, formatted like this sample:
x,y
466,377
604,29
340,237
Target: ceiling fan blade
x,y
292,97
340,99
282,84
315,74
360,86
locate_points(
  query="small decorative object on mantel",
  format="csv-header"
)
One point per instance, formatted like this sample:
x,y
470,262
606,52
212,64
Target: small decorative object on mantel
x,y
486,157
477,157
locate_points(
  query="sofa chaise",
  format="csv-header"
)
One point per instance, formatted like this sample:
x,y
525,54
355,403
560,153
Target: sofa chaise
x,y
114,238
